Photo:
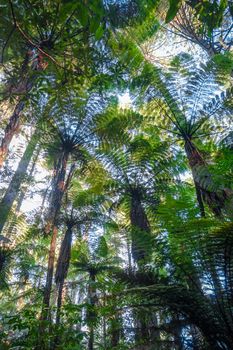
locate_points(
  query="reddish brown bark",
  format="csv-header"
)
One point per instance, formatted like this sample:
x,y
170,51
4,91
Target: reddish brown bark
x,y
10,130
24,87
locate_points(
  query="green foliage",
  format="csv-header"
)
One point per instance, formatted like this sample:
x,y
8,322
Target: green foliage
x,y
174,6
102,250
5,260
139,254
224,63
210,13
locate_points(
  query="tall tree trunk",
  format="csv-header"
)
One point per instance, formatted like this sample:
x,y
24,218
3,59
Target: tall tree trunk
x,y
104,331
116,327
24,87
129,254
200,199
19,176
141,235
42,343
141,249
10,130
177,331
61,274
63,267
55,205
91,338
216,199
49,277
60,298
91,314
196,336
141,319
58,189
31,172
45,196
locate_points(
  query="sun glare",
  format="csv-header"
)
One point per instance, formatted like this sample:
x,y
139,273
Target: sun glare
x,y
125,100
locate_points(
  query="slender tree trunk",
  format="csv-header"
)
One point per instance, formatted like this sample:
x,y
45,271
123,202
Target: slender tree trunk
x,y
177,331
91,338
58,314
54,209
49,277
141,330
23,191
91,314
59,305
19,176
115,330
24,87
58,190
196,335
45,195
63,267
154,331
141,235
200,199
104,321
55,205
129,254
141,249
10,130
206,191
42,342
